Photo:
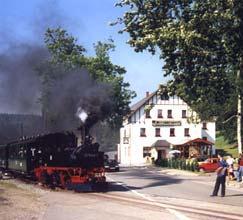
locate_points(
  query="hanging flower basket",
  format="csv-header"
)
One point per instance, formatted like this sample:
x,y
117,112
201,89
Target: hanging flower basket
x,y
148,107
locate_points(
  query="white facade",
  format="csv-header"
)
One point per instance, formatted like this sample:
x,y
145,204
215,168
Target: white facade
x,y
133,145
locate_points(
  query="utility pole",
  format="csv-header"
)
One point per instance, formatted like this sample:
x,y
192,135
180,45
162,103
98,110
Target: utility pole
x,y
239,110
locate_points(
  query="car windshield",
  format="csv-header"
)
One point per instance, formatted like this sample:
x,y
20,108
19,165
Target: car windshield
x,y
113,162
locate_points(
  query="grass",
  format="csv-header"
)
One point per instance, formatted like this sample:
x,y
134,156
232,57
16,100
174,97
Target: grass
x,y
222,144
7,184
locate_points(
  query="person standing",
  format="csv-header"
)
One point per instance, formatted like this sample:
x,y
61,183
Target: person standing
x,y
221,177
240,170
230,162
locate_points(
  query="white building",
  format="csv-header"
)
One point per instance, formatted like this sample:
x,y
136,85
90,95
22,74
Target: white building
x,y
156,125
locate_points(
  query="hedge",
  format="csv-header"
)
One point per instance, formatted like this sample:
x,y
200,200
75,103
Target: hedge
x,y
181,164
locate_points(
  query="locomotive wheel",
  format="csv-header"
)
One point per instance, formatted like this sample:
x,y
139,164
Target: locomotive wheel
x,y
45,178
68,183
55,180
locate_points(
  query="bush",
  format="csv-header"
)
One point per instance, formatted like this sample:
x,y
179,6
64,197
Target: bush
x,y
162,162
182,164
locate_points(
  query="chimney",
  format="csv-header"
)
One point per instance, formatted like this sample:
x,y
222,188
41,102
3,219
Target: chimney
x,y
147,94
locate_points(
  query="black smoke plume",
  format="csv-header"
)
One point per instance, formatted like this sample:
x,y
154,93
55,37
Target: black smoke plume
x,y
20,55
21,86
74,92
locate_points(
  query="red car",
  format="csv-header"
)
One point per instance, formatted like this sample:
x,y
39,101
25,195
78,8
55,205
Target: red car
x,y
209,165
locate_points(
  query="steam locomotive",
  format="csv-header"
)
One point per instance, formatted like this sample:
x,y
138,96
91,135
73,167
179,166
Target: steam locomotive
x,y
56,160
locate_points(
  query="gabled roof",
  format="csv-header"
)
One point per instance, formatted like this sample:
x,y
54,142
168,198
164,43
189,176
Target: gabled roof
x,y
137,105
198,141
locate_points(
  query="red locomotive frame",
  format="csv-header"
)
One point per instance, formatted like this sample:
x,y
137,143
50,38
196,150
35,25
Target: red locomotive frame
x,y
71,177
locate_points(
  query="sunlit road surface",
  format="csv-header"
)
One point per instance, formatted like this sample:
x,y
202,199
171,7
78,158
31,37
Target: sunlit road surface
x,y
65,205
185,197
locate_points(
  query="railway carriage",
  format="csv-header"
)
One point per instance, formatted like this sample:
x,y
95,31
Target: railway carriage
x,y
48,150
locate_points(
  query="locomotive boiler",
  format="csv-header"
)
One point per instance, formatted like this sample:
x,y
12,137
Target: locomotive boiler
x,y
56,160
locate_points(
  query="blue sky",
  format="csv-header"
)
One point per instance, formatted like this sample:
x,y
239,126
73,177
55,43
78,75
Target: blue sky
x,y
88,21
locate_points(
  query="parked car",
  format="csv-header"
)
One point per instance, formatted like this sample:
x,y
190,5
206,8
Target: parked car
x,y
209,165
111,165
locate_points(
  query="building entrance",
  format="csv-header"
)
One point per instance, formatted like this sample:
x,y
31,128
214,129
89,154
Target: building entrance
x,y
161,154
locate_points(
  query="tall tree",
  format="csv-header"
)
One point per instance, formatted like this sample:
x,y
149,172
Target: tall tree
x,y
102,69
201,43
67,57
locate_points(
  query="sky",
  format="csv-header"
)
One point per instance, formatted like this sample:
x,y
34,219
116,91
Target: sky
x,y
88,21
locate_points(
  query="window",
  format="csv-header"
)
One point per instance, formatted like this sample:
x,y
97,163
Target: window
x,y
147,114
172,132
157,132
21,152
142,132
146,152
164,96
186,132
205,138
204,125
183,114
169,113
160,113
125,140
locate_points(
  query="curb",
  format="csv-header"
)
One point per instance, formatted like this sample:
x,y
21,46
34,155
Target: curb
x,y
176,172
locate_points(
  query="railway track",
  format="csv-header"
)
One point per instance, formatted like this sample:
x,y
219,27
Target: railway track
x,y
192,212
150,204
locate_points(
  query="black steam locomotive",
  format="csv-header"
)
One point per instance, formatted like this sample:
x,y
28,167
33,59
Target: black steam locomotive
x,y
55,160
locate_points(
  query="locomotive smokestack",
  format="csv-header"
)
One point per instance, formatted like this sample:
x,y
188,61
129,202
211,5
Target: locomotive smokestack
x,y
82,115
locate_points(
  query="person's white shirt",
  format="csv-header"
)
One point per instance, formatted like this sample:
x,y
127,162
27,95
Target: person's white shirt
x,y
230,160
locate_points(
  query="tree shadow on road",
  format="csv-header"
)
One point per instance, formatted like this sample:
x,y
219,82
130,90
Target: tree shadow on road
x,y
114,187
154,180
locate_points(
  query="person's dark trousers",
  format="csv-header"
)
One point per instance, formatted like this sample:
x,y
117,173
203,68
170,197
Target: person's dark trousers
x,y
219,180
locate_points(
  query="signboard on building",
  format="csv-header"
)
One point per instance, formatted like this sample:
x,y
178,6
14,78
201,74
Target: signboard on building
x,y
166,123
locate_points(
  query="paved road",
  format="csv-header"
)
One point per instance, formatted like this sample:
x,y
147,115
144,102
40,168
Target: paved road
x,y
179,191
101,206
140,194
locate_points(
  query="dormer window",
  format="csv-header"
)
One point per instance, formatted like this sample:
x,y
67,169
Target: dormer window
x,y
164,96
169,115
163,92
204,125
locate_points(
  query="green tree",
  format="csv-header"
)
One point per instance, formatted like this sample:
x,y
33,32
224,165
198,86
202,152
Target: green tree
x,y
66,57
201,43
102,69
64,48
